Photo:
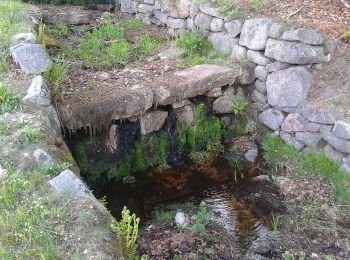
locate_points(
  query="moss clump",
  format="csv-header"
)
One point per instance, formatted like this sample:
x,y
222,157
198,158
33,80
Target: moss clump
x,y
201,137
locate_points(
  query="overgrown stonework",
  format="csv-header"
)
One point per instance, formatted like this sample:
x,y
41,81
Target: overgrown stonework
x,y
283,60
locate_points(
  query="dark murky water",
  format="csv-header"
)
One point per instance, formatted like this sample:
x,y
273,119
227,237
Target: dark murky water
x,y
214,184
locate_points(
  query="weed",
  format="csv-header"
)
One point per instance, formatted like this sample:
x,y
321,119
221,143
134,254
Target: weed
x,y
239,106
127,230
90,84
156,148
149,45
203,217
131,24
259,4
194,43
8,100
212,57
55,76
55,169
4,129
275,222
29,135
346,36
62,30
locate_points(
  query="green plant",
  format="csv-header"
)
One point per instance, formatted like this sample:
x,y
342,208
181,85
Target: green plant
x,y
346,36
203,217
56,75
55,169
194,43
127,230
239,106
29,135
8,101
122,170
62,30
90,84
4,129
149,45
275,222
131,24
259,4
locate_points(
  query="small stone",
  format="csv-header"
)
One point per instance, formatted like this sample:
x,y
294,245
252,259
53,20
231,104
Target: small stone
x,y
186,115
162,17
183,8
303,35
217,25
176,23
311,140
245,72
341,129
260,86
260,72
152,121
145,8
22,38
181,220
272,118
254,33
42,158
3,173
318,115
252,152
293,123
129,180
257,57
317,66
234,27
215,92
223,105
182,103
275,66
312,127
290,140
239,53
38,93
203,21
222,42
259,97
275,31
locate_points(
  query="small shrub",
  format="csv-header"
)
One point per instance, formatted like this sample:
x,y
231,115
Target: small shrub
x,y
127,230
238,106
203,218
149,45
194,42
8,101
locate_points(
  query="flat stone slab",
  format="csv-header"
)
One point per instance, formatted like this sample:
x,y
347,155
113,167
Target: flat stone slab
x,y
31,58
131,92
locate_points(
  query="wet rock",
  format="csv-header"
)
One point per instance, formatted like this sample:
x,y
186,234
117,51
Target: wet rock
x,y
181,220
341,129
260,72
294,52
290,140
312,140
277,66
258,57
275,31
171,53
303,35
318,115
254,33
288,88
203,21
42,158
239,52
234,27
338,143
260,86
217,25
186,115
129,180
152,121
38,93
245,72
23,38
222,42
334,155
31,58
293,123
252,152
193,82
272,118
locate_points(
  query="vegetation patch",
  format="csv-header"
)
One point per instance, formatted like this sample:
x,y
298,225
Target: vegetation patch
x,y
8,100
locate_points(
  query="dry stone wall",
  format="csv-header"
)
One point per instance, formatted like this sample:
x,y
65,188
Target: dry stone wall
x,y
279,64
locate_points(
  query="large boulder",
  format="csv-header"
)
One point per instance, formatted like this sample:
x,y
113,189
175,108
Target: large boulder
x,y
294,52
254,33
288,88
272,118
222,42
31,58
152,121
303,35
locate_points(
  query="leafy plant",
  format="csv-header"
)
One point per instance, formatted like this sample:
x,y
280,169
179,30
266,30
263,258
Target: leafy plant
x,y
275,222
55,76
127,230
203,217
238,106
8,100
194,42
